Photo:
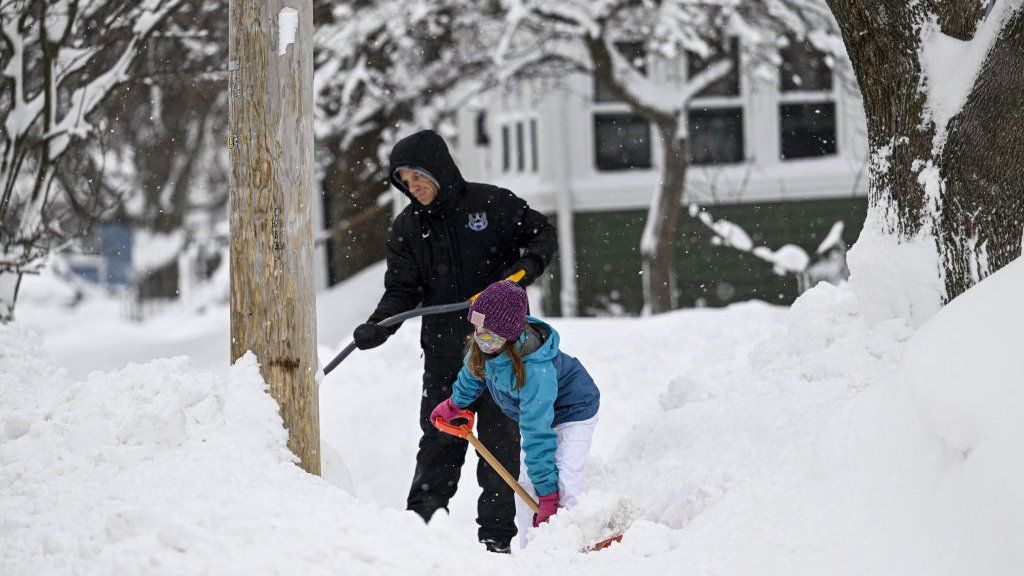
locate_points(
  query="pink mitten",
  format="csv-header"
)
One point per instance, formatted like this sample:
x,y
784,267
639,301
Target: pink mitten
x,y
548,505
447,411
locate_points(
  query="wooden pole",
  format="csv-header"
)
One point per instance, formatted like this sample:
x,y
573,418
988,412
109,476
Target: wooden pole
x,y
273,297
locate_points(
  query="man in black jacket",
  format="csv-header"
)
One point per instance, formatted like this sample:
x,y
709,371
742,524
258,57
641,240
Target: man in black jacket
x,y
451,242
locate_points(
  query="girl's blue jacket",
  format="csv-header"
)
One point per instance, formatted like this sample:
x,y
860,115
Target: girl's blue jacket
x,y
558,389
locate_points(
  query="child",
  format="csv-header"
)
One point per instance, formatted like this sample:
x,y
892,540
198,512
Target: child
x,y
548,392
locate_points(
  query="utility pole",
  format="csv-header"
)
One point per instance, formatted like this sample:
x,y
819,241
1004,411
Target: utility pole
x,y
273,296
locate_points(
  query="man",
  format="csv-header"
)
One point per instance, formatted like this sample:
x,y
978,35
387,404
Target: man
x,y
451,242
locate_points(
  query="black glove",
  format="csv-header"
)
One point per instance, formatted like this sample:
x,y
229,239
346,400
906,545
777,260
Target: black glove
x,y
528,263
370,335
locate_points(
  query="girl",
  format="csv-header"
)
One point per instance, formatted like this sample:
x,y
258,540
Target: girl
x,y
548,392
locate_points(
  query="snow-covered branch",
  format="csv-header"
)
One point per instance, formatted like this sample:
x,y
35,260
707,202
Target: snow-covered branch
x,y
58,72
788,259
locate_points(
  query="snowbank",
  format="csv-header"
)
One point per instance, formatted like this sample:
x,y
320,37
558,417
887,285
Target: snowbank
x,y
832,437
965,371
160,469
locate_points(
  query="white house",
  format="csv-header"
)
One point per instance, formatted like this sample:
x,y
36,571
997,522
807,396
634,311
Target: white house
x,y
782,153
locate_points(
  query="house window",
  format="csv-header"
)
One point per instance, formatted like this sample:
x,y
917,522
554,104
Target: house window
x,y
635,54
482,138
728,85
808,130
520,148
506,149
716,136
807,109
715,118
804,69
622,141
533,144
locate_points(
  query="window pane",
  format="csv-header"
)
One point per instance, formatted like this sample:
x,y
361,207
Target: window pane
x,y
808,130
482,137
636,54
533,144
728,85
716,136
520,148
506,149
621,142
804,68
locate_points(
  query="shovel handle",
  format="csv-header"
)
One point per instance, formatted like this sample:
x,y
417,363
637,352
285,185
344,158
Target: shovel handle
x,y
402,317
503,472
515,277
466,431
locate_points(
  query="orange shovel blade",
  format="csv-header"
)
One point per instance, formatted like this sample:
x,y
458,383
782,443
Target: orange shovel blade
x,y
604,543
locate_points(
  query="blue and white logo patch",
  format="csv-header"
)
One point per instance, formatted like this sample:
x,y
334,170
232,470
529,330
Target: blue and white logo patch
x,y
477,221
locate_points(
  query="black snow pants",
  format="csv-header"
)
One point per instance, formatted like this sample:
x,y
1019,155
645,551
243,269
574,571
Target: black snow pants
x,y
440,457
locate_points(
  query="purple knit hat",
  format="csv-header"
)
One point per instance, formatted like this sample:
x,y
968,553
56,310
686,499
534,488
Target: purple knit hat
x,y
500,308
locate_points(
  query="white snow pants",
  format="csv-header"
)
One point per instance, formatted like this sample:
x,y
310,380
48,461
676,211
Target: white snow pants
x,y
574,440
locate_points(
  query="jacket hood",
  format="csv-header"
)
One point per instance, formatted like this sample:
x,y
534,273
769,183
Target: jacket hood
x,y
547,351
426,150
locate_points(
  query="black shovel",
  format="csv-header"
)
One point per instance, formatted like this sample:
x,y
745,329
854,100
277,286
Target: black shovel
x,y
423,311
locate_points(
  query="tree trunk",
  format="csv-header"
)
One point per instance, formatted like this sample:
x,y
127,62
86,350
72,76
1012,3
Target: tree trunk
x,y
882,39
982,167
975,211
658,249
273,305
658,245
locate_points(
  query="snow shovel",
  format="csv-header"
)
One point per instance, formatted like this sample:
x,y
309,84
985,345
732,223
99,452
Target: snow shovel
x,y
414,313
465,431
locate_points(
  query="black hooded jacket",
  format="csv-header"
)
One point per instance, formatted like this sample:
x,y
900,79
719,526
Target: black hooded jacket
x,y
456,246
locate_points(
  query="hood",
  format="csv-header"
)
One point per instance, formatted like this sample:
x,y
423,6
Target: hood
x,y
547,350
426,150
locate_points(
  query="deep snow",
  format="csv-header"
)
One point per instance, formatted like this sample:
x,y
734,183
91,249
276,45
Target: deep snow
x,y
833,437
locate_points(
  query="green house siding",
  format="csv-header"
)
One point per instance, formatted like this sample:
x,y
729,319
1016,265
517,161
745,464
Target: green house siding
x,y
608,260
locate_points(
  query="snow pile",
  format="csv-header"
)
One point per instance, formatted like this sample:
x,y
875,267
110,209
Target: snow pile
x,y
721,469
893,278
923,467
965,371
831,437
160,469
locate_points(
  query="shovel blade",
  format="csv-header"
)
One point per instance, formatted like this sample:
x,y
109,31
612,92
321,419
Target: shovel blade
x,y
604,543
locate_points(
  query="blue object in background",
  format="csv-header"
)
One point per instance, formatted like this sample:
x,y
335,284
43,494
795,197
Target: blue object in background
x,y
111,265
88,269
116,249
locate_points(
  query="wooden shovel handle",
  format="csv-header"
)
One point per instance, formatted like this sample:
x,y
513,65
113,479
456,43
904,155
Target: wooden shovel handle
x,y
466,431
502,472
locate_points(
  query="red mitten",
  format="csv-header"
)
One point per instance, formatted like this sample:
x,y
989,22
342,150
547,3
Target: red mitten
x,y
548,506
